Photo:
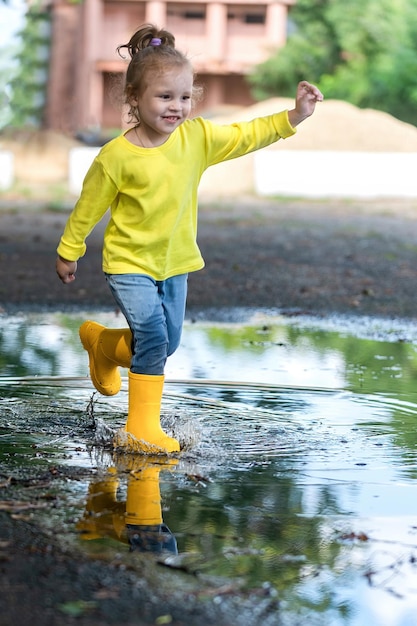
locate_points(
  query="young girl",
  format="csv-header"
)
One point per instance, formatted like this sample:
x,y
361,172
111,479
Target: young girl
x,y
149,178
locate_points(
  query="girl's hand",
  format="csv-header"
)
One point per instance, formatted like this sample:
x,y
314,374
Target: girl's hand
x,y
66,269
305,102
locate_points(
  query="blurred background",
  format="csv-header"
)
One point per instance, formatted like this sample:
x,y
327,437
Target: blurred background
x,y
61,78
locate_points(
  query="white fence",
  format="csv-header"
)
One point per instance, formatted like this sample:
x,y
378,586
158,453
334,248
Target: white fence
x,y
79,161
6,169
301,173
335,174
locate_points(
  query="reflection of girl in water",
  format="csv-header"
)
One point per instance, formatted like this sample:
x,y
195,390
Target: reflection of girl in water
x,y
138,521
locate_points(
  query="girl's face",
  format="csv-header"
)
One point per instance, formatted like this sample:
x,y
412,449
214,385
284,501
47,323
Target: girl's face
x,y
165,104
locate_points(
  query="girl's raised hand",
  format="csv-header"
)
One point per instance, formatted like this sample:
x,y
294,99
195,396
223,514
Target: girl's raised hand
x,y
305,102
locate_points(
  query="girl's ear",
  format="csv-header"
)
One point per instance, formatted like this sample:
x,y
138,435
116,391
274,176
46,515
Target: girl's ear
x,y
131,96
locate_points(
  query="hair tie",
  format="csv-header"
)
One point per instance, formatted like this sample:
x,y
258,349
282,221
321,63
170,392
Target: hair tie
x,y
156,41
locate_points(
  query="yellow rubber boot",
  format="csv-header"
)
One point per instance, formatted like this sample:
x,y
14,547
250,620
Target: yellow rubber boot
x,y
107,350
143,427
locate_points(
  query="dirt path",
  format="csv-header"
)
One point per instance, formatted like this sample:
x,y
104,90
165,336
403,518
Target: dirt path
x,y
296,256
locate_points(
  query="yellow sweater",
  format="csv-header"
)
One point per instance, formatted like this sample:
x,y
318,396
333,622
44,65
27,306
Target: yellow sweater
x,y
152,195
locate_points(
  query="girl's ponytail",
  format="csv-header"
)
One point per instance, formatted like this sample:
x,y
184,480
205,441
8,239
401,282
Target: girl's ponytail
x,y
147,36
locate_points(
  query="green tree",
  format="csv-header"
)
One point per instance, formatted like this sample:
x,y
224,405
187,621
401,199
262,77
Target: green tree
x,y
11,16
364,52
29,84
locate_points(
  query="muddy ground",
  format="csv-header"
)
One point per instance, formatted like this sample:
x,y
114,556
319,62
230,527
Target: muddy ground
x,y
316,257
355,257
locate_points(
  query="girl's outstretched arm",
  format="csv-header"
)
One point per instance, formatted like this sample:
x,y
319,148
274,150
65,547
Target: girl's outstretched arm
x,y
305,102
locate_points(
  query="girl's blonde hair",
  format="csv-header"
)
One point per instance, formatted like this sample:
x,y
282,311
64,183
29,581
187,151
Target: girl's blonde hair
x,y
152,51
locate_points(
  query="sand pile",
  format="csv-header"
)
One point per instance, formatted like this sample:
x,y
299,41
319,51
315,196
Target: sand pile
x,y
335,125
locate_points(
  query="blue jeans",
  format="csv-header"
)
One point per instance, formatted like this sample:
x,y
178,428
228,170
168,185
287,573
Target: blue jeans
x,y
154,311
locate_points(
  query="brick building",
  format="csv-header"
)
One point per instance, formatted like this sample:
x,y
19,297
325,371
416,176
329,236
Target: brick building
x,y
223,40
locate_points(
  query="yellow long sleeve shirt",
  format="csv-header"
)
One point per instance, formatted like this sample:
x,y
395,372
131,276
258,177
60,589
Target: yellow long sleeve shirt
x,y
152,195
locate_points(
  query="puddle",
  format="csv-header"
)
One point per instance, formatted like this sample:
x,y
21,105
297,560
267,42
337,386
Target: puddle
x,y
298,477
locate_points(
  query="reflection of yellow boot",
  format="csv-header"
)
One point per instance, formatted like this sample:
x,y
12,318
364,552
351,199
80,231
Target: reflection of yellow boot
x,y
143,504
102,509
107,350
145,528
143,420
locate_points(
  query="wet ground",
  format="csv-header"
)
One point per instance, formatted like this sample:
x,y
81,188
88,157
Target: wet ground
x,y
293,395
296,256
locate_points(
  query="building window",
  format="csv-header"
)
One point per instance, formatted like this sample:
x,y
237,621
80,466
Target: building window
x,y
194,15
247,14
254,18
187,12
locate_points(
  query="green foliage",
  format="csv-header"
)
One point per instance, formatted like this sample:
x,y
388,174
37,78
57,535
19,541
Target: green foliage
x,y
29,85
364,52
